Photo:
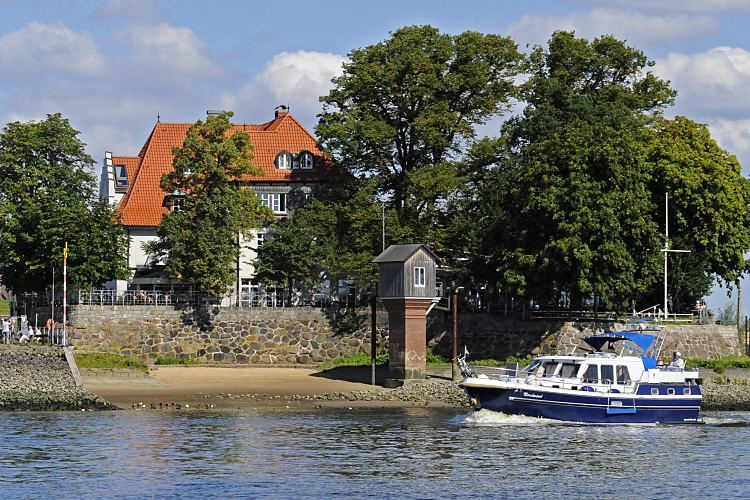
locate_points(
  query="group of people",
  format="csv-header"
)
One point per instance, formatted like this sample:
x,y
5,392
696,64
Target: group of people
x,y
27,334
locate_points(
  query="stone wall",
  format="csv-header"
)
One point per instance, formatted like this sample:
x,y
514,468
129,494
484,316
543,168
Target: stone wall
x,y
488,336
263,336
308,335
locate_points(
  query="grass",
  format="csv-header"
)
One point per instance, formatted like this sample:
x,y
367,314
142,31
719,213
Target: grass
x,y
721,364
109,361
165,361
4,308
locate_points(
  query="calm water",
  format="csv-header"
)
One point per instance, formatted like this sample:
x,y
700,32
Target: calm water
x,y
366,453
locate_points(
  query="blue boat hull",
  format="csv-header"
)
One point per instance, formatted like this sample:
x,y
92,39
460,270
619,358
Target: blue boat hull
x,y
579,406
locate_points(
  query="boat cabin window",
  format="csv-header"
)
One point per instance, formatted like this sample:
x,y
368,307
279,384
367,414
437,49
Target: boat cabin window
x,y
550,369
608,374
591,374
533,366
569,370
623,375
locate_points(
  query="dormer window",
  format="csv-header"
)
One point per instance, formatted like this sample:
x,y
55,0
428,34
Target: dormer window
x,y
177,204
306,160
121,178
284,160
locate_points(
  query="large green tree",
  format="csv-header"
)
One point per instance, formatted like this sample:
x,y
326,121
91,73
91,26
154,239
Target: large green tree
x,y
199,243
709,207
47,198
577,210
406,109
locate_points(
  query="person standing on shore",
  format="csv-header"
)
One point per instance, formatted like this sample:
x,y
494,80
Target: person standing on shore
x,y
6,331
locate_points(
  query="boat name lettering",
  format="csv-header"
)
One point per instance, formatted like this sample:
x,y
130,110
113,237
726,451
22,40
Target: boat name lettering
x,y
530,395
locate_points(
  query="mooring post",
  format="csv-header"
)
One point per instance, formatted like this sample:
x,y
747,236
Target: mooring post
x,y
373,334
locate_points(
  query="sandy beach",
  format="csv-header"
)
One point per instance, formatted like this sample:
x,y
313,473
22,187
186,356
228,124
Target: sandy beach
x,y
223,387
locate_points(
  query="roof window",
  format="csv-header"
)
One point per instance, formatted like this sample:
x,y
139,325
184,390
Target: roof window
x,y
306,160
284,160
121,178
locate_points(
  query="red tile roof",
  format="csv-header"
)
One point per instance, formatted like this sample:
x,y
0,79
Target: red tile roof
x,y
143,204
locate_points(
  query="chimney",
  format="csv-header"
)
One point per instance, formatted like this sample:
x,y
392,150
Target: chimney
x,y
280,111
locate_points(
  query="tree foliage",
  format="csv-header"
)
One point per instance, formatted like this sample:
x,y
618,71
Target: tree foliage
x,y
573,203
290,256
405,109
47,198
199,244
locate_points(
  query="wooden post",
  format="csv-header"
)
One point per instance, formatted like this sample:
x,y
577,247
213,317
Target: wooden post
x,y
373,335
454,365
739,293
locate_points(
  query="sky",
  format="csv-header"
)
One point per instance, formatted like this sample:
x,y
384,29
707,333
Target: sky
x,y
113,66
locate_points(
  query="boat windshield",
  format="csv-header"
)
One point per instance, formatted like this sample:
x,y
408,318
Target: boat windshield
x,y
569,370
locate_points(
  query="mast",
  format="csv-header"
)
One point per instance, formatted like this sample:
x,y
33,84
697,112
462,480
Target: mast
x,y
667,250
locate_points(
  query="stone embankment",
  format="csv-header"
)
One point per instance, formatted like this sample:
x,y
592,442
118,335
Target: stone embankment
x,y
432,391
35,378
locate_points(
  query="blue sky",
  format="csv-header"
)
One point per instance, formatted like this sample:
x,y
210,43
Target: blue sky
x,y
112,66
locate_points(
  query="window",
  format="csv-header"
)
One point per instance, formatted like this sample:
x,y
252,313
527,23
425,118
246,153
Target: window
x,y
623,376
274,201
569,370
306,160
608,374
121,177
178,204
654,391
670,391
550,368
260,240
419,276
284,160
591,374
686,391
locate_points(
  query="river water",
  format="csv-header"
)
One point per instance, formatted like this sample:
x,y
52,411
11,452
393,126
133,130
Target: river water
x,y
411,452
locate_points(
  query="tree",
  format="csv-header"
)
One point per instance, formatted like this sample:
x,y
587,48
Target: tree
x,y
708,207
199,244
290,256
47,198
577,212
406,108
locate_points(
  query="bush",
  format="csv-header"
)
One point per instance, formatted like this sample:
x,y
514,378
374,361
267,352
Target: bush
x,y
165,361
109,361
719,365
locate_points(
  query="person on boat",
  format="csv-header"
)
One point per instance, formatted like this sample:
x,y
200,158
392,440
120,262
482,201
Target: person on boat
x,y
677,362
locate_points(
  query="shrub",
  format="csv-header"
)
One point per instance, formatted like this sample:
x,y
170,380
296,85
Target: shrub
x,y
168,360
719,365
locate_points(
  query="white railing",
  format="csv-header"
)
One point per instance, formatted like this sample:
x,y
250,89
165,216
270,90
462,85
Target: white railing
x,y
275,298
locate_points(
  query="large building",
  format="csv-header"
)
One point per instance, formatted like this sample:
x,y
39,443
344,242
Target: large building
x,y
294,169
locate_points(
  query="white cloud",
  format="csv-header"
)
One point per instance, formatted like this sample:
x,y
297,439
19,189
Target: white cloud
x,y
636,27
44,50
294,78
709,84
170,52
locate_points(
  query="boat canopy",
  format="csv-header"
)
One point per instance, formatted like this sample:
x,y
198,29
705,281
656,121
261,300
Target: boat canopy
x,y
644,341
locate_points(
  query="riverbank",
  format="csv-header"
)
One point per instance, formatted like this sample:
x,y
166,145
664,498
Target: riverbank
x,y
34,378
206,387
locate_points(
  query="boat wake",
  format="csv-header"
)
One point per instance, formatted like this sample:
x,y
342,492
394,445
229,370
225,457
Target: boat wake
x,y
482,418
725,422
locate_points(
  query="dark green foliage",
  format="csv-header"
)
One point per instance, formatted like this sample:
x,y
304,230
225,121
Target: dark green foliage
x,y
404,111
719,365
570,198
291,256
200,243
169,361
48,197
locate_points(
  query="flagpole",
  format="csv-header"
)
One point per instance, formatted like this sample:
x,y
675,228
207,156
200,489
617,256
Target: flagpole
x,y
65,295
